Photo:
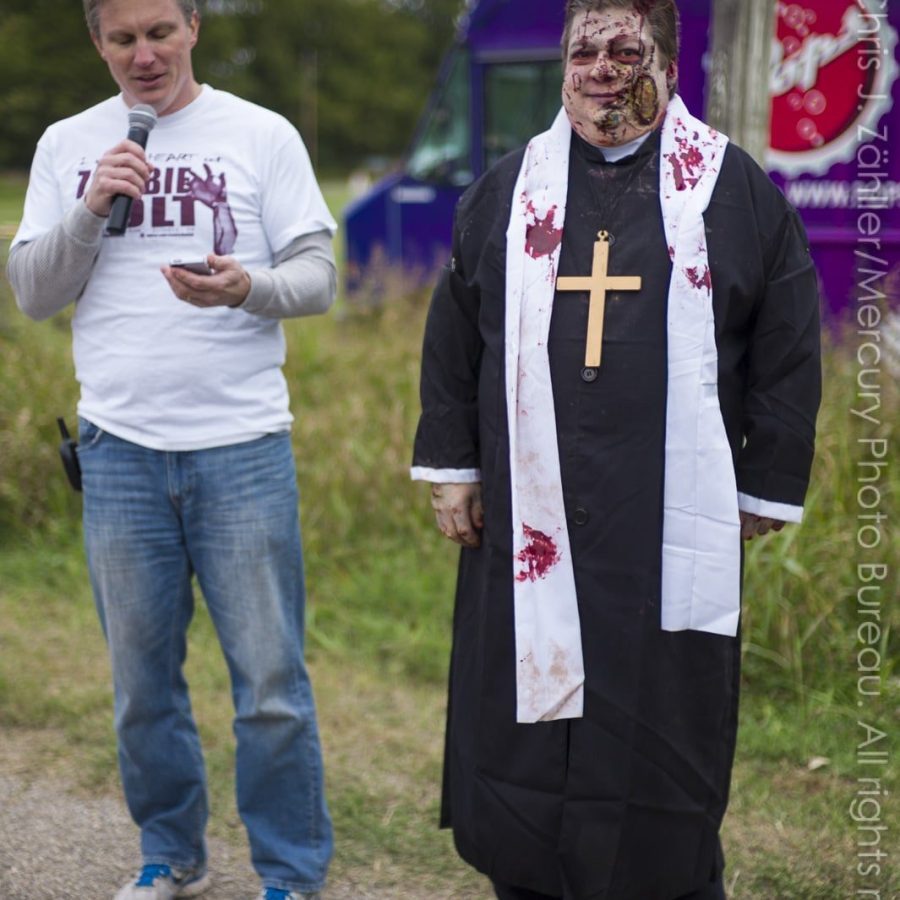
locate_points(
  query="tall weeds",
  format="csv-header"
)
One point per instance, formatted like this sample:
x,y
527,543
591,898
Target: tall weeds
x,y
800,588
380,577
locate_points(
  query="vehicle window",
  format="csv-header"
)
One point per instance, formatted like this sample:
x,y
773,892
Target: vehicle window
x,y
520,100
442,154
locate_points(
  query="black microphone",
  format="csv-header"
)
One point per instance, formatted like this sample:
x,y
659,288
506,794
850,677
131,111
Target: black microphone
x,y
141,119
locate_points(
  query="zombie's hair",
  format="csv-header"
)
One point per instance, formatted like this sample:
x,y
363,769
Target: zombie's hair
x,y
662,15
92,13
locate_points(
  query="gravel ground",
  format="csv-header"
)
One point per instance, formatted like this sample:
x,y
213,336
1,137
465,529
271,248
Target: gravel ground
x,y
59,845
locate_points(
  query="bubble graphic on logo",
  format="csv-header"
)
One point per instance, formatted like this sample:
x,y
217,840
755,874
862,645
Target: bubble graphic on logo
x,y
815,102
794,16
791,45
795,101
806,128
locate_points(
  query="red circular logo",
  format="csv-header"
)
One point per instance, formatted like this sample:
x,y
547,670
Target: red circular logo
x,y
832,69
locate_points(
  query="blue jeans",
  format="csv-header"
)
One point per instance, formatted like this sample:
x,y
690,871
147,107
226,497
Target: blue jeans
x,y
152,520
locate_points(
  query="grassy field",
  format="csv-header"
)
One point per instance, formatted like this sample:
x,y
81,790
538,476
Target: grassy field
x,y
380,583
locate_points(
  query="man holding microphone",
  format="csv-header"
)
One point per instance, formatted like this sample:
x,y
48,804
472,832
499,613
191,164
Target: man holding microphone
x,y
184,428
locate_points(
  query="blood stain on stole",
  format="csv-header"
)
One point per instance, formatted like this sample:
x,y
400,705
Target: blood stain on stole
x,y
698,280
539,555
687,164
680,183
691,157
541,238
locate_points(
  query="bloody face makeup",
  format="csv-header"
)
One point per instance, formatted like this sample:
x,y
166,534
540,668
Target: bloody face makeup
x,y
616,85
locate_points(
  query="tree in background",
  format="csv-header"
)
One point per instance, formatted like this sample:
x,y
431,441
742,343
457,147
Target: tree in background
x,y
352,75
48,70
370,64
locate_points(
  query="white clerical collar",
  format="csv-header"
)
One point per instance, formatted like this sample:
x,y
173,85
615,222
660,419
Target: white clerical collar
x,y
614,154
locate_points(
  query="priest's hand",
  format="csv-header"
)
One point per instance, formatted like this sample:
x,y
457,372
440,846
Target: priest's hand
x,y
459,512
753,526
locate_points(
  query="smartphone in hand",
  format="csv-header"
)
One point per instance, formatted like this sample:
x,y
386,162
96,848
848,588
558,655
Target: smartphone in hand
x,y
197,266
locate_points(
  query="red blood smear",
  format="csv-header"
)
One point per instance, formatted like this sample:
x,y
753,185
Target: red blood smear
x,y
541,238
697,281
680,184
693,159
690,159
540,555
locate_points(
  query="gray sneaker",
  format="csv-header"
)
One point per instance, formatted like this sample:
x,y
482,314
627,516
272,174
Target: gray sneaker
x,y
164,883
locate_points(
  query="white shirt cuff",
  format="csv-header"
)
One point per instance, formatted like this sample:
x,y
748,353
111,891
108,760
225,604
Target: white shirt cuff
x,y
781,512
445,476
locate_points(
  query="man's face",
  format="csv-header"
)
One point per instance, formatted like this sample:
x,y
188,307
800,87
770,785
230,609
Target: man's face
x,y
616,86
147,45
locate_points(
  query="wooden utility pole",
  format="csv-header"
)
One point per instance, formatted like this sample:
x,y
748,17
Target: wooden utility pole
x,y
738,103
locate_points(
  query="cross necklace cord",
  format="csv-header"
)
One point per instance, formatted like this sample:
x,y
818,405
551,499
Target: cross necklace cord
x,y
599,281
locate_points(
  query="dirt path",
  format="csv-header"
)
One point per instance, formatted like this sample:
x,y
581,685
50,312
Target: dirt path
x,y
63,838
56,845
57,842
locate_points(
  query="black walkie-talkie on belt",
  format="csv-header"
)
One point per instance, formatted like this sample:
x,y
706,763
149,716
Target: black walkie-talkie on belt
x,y
68,453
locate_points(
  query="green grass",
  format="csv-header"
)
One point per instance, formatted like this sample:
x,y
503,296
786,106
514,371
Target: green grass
x,y
380,595
12,188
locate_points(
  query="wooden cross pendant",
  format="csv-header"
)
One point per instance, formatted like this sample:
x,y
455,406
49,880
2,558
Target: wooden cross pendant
x,y
598,284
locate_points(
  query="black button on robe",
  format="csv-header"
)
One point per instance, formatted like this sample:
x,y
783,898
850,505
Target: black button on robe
x,y
626,802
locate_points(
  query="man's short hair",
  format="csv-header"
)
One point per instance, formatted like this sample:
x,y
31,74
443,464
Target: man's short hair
x,y
661,14
92,13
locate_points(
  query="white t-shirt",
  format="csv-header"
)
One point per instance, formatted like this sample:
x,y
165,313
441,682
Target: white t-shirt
x,y
231,178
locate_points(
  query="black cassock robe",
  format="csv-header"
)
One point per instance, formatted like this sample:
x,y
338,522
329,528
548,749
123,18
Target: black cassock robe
x,y
626,802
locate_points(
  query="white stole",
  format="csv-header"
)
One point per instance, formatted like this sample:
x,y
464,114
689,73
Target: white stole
x,y
701,530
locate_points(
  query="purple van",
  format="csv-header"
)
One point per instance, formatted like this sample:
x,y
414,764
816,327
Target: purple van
x,y
834,82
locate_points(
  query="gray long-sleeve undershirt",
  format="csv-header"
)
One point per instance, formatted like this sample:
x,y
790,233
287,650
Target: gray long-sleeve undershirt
x,y
51,272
